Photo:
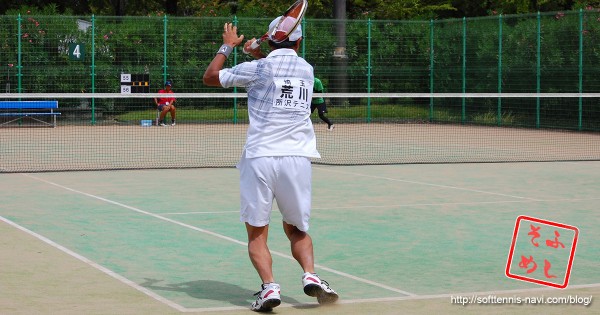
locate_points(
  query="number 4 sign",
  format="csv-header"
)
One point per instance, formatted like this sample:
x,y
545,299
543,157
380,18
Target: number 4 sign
x,y
542,252
76,52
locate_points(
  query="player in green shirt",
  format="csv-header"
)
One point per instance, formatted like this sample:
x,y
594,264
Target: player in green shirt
x,y
319,102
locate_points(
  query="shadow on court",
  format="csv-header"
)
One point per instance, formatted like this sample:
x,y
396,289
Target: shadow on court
x,y
211,290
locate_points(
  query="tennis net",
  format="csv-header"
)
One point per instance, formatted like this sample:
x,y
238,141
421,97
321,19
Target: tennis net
x,y
107,132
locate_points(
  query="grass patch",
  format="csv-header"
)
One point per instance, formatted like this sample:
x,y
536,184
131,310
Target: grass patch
x,y
183,114
393,112
491,118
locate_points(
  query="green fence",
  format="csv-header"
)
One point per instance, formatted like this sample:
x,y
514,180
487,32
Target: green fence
x,y
540,53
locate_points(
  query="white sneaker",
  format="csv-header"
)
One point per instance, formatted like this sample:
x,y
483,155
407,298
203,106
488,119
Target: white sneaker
x,y
173,124
314,286
330,128
267,298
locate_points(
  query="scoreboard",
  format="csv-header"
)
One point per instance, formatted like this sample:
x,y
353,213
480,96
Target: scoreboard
x,y
135,83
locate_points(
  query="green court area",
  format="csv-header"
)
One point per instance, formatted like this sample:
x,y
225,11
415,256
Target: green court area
x,y
392,239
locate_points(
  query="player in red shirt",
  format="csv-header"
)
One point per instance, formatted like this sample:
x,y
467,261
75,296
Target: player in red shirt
x,y
165,105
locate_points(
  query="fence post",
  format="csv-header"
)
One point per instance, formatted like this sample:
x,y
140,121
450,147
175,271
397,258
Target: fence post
x,y
369,69
538,69
499,116
580,118
165,75
303,36
464,70
19,53
431,64
93,68
235,107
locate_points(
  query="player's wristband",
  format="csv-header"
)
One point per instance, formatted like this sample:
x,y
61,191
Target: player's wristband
x,y
225,50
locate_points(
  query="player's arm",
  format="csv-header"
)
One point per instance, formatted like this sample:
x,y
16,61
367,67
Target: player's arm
x,y
211,75
230,40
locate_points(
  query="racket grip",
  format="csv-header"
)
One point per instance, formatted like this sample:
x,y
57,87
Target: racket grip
x,y
253,46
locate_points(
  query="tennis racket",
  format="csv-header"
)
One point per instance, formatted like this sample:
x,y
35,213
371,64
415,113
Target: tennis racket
x,y
288,22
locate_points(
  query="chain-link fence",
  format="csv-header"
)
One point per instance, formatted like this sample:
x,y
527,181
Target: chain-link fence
x,y
550,52
535,54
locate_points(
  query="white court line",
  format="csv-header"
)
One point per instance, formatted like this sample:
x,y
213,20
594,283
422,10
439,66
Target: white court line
x,y
198,212
426,184
373,283
97,266
456,203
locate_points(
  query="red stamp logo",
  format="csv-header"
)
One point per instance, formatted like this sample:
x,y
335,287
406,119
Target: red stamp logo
x,y
542,252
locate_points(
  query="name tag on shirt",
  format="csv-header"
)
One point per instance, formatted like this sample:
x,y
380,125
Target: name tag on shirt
x,y
292,94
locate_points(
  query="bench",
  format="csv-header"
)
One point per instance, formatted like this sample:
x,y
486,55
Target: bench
x,y
28,109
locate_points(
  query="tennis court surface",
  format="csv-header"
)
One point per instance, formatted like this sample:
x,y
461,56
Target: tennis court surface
x,y
393,239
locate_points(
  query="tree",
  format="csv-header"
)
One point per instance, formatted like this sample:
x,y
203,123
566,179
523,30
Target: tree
x,y
119,6
320,9
171,7
400,9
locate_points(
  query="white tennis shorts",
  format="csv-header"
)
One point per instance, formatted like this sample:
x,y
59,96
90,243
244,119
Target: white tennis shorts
x,y
286,179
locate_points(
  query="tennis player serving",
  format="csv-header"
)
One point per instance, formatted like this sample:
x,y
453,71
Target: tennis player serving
x,y
275,163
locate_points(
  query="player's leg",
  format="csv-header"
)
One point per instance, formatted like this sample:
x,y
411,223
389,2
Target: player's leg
x,y
269,295
325,119
302,250
172,110
256,198
259,253
293,195
302,247
322,111
164,109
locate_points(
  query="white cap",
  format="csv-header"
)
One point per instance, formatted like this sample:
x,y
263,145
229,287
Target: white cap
x,y
295,35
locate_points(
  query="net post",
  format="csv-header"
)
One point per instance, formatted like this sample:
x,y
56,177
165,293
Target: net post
x,y
538,69
499,115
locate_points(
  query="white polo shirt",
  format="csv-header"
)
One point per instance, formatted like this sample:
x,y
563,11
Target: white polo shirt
x,y
279,94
